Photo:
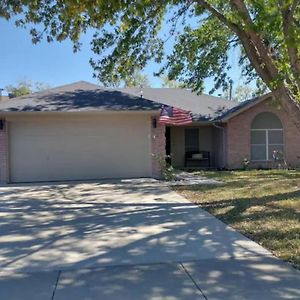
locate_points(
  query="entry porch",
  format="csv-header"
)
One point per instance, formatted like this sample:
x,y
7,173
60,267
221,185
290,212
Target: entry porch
x,y
196,146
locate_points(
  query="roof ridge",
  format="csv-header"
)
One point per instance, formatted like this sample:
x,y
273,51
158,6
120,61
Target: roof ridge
x,y
212,97
83,81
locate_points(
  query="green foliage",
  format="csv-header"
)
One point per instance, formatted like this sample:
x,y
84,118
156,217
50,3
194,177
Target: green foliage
x,y
245,92
128,34
20,89
245,163
137,79
167,83
25,87
168,172
201,53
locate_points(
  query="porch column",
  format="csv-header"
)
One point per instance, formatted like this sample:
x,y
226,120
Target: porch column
x,y
158,148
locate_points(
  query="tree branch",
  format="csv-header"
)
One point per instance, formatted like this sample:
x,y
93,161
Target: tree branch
x,y
290,12
263,50
293,54
234,27
245,40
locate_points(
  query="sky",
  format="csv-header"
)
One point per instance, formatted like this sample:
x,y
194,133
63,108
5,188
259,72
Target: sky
x,y
55,64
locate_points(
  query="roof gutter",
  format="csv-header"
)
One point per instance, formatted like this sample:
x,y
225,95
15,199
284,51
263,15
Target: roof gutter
x,y
77,113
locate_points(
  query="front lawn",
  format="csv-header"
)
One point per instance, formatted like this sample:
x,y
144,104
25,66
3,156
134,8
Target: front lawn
x,y
263,205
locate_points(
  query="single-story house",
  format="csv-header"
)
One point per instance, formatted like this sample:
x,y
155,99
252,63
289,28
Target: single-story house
x,y
82,131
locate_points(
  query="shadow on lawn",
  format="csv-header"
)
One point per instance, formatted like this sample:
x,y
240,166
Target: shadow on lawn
x,y
251,174
252,215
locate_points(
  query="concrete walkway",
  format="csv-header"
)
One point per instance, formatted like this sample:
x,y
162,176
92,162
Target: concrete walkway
x,y
127,240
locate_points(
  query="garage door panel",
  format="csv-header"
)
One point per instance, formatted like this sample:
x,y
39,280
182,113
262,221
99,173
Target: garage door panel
x,y
107,147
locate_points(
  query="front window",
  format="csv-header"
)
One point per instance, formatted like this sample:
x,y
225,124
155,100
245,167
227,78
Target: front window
x,y
191,139
266,136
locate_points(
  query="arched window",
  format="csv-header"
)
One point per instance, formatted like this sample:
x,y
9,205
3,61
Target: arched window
x,y
266,136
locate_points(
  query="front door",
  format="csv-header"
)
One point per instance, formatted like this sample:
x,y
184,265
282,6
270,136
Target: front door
x,y
168,145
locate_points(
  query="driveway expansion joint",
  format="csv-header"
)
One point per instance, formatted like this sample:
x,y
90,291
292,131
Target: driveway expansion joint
x,y
56,284
193,280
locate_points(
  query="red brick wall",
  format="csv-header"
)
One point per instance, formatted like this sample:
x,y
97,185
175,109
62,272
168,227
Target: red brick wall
x,y
238,135
158,148
3,155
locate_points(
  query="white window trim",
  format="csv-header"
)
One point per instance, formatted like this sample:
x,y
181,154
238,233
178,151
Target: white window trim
x,y
270,129
266,130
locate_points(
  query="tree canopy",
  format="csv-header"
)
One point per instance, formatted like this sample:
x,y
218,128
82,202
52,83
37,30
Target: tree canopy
x,y
20,89
137,79
242,92
265,36
168,83
25,87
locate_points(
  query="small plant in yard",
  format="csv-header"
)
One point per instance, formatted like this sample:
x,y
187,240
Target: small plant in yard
x,y
279,160
245,163
168,172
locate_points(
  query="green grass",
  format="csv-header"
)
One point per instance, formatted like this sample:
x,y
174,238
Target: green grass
x,y
263,205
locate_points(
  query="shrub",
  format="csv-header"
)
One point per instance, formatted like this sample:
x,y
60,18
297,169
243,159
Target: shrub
x,y
245,163
168,172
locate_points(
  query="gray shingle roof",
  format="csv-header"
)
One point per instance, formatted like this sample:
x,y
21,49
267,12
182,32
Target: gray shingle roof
x,y
204,107
79,96
241,106
84,96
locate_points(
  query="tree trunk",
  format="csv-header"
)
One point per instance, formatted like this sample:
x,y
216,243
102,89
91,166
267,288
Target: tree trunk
x,y
289,104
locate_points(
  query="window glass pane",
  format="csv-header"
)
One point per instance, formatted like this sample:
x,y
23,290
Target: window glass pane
x,y
275,137
275,148
258,137
258,152
192,139
266,120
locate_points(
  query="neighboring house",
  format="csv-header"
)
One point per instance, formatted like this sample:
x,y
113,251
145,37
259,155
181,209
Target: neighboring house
x,y
82,131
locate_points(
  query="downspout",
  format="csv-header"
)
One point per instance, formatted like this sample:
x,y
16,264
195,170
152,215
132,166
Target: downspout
x,y
223,143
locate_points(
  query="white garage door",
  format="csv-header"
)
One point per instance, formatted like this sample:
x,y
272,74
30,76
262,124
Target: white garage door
x,y
107,146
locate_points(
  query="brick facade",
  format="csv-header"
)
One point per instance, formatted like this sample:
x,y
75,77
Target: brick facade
x,y
158,148
239,139
3,155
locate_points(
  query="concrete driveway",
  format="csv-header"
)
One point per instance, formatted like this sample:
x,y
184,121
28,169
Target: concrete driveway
x,y
131,239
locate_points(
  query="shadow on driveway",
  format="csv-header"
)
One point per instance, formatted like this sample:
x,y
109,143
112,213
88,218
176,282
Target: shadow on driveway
x,y
54,227
125,240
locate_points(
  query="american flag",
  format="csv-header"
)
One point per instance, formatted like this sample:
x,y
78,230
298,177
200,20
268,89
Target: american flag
x,y
174,116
